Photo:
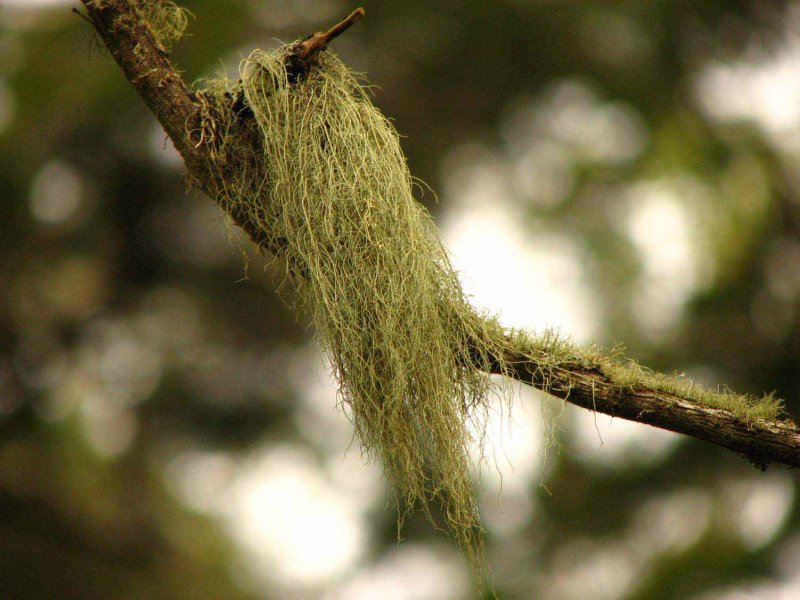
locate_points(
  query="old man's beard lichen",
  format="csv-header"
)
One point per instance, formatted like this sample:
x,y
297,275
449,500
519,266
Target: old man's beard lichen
x,y
327,185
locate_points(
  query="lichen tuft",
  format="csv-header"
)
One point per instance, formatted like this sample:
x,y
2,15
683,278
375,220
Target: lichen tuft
x,y
330,186
167,21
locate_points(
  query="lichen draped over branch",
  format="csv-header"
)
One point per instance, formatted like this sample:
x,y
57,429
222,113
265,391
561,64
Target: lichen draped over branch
x,y
319,170
330,187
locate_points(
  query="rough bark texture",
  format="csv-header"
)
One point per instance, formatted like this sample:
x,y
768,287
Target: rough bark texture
x,y
177,108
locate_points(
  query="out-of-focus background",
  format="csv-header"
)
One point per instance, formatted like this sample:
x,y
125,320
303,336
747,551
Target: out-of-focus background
x,y
624,171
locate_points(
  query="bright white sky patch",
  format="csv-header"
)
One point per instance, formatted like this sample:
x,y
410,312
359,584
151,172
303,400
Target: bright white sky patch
x,y
531,282
531,277
317,417
757,508
27,15
549,137
591,569
297,523
200,479
593,131
56,193
286,515
756,590
514,441
603,440
514,454
569,116
659,226
36,3
671,522
411,572
764,88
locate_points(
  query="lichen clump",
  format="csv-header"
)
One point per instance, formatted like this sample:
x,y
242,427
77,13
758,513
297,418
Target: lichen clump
x,y
330,188
167,21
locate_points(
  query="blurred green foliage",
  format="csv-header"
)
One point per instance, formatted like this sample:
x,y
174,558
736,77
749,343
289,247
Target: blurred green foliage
x,y
130,337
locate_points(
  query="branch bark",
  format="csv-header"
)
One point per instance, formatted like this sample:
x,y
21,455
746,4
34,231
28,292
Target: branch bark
x,y
178,108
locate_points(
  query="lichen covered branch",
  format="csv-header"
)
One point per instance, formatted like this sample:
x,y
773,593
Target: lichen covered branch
x,y
589,380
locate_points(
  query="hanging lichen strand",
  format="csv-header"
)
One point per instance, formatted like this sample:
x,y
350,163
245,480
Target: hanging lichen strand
x,y
330,189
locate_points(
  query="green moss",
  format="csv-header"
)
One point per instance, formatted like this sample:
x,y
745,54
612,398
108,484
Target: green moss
x,y
629,374
552,356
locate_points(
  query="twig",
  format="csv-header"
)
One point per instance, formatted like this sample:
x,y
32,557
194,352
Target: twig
x,y
302,55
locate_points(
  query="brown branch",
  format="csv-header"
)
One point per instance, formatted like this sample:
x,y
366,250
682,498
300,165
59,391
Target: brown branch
x,y
762,442
178,108
302,55
133,46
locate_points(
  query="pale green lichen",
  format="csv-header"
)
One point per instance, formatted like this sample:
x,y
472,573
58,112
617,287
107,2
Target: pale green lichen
x,y
318,171
167,21
330,186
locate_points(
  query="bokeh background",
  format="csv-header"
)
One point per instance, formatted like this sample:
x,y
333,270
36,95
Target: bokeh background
x,y
626,172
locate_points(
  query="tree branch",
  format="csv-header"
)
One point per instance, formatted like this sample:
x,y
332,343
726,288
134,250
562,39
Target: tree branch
x,y
762,442
178,109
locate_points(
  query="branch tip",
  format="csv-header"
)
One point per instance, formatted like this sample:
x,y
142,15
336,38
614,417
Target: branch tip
x,y
303,54
344,24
